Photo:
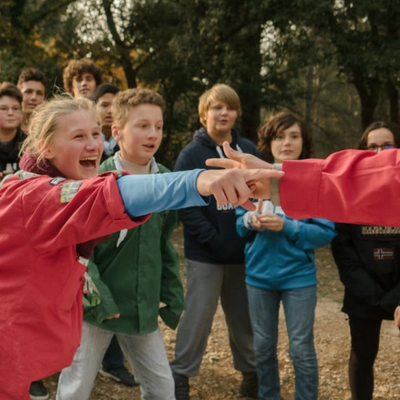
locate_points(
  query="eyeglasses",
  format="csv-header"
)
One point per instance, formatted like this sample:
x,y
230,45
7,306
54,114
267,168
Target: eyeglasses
x,y
374,147
5,110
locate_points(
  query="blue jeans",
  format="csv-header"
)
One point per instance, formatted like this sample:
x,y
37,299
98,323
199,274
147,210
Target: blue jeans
x,y
145,353
299,307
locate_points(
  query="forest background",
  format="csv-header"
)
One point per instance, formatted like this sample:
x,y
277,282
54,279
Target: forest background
x,y
336,63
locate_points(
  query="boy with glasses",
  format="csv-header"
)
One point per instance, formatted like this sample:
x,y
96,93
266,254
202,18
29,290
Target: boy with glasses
x,y
11,135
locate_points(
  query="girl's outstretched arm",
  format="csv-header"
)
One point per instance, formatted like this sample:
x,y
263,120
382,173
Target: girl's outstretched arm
x,y
144,194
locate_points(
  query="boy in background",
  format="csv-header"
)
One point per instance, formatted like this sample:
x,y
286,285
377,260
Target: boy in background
x,y
11,134
81,78
32,84
134,270
214,253
104,97
113,366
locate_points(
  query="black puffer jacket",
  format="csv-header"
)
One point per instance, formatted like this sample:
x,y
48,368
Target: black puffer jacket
x,y
368,258
9,152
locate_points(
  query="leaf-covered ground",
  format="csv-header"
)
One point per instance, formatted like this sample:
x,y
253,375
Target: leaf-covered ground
x,y
218,379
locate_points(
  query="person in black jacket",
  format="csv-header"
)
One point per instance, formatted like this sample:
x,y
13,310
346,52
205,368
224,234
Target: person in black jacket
x,y
11,134
214,253
368,259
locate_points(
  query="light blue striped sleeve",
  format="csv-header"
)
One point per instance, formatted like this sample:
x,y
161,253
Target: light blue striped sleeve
x,y
145,194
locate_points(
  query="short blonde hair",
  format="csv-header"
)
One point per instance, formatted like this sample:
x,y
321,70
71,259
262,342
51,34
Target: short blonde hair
x,y
126,100
44,122
219,93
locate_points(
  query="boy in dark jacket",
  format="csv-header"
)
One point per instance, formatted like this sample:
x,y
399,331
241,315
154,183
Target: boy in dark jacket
x,y
214,253
11,135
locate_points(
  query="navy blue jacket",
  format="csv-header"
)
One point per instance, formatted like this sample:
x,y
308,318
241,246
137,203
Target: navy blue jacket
x,y
210,232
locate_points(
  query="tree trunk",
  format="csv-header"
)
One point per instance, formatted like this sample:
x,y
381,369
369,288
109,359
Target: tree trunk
x,y
308,96
393,101
250,84
123,50
368,91
130,73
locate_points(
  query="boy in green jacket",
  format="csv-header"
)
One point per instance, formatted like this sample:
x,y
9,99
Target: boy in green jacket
x,y
134,270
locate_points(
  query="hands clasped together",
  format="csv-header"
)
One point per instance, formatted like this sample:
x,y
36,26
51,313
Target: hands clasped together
x,y
266,220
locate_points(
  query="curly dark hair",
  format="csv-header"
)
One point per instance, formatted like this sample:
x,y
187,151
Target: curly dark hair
x,y
76,68
276,124
391,126
31,74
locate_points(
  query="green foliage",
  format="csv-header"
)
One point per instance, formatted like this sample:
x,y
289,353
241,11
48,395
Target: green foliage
x,y
29,29
333,62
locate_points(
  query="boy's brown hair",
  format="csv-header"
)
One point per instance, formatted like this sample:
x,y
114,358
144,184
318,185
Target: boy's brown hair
x,y
219,93
32,74
76,68
126,100
10,90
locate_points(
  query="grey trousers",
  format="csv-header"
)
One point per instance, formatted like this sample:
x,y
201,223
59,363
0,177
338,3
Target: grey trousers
x,y
145,353
206,283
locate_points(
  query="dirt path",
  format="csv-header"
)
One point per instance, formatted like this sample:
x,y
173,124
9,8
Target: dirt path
x,y
218,379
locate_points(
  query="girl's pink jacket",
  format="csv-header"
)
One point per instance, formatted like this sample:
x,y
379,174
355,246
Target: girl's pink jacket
x,y
42,219
353,186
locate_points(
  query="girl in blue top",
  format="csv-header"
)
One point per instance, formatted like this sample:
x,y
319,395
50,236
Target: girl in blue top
x,y
280,268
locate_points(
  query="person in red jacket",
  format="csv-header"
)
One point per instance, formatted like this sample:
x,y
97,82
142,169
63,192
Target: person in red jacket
x,y
51,216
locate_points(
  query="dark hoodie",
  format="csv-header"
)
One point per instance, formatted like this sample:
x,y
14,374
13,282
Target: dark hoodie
x,y
9,151
210,232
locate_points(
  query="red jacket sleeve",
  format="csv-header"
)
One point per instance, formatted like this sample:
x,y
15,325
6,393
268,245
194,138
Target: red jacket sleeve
x,y
59,214
358,187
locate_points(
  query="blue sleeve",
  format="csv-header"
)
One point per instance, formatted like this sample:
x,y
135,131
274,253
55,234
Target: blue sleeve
x,y
309,234
145,194
244,227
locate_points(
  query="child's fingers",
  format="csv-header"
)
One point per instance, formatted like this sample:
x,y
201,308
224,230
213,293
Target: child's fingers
x,y
259,205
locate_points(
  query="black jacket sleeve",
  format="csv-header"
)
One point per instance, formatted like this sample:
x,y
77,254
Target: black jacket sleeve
x,y
391,299
194,220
